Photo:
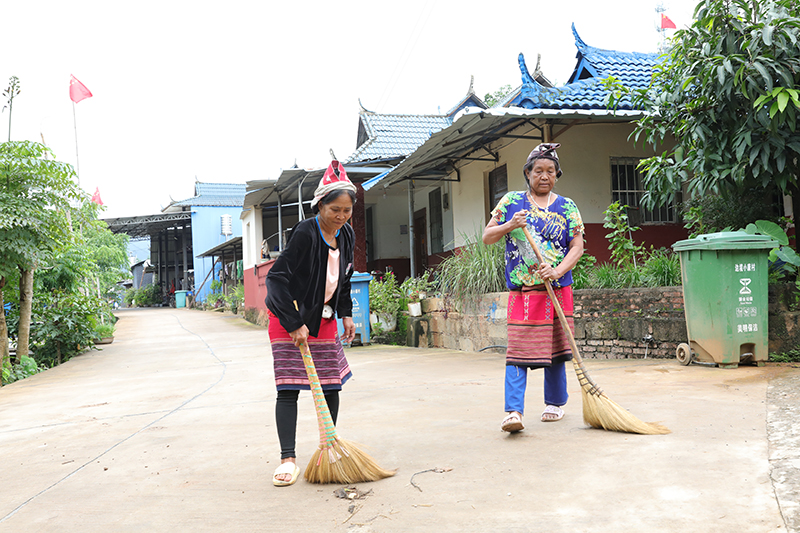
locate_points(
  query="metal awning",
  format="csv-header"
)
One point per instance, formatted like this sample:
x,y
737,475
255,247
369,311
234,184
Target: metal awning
x,y
230,247
144,226
266,192
473,131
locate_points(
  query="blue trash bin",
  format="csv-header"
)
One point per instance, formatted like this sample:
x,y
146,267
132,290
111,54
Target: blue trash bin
x,y
359,292
180,298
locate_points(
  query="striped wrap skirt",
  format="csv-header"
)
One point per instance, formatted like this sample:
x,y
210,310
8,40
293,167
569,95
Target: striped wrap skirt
x,y
326,352
535,336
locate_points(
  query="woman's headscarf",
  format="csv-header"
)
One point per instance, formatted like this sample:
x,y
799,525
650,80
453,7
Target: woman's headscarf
x,y
544,151
335,178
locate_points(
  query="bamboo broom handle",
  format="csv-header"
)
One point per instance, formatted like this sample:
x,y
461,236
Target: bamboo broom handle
x,y
327,431
563,319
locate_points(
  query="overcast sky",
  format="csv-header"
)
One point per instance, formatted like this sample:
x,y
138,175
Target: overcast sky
x,y
234,91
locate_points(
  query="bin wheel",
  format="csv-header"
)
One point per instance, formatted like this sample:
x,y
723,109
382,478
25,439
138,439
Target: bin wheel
x,y
684,354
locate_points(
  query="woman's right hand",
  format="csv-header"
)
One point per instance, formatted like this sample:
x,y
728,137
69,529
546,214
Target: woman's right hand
x,y
519,220
299,336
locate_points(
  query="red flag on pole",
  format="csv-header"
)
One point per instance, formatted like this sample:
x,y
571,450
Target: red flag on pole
x,y
96,196
666,23
77,90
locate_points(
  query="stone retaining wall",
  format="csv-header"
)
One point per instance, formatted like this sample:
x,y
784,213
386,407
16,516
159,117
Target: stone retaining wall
x,y
609,323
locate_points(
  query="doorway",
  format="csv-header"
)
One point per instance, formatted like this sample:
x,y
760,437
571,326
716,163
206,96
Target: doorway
x,y
420,242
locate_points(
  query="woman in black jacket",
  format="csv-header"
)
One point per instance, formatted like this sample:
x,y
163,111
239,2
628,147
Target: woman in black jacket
x,y
307,287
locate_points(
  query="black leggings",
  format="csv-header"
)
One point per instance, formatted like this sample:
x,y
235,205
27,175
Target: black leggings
x,y
286,417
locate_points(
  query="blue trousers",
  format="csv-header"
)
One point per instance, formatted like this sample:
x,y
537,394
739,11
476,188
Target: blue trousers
x,y
555,386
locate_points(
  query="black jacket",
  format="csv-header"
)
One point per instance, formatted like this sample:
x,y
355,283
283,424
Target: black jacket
x,y
299,275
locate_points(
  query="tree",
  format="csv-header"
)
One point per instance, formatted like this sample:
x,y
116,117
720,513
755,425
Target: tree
x,y
493,98
727,93
10,93
36,192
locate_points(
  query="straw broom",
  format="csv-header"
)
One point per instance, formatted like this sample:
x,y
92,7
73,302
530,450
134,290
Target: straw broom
x,y
599,411
336,460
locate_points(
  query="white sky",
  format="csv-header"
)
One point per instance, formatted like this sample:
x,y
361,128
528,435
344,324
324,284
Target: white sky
x,y
234,91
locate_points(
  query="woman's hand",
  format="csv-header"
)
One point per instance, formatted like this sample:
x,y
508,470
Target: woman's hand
x,y
300,335
349,329
519,220
494,232
548,272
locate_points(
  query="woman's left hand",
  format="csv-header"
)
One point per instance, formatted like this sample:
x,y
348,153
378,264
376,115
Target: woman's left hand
x,y
548,272
349,329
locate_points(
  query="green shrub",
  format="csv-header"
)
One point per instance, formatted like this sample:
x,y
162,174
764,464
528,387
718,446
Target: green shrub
x,y
624,250
710,213
385,295
662,268
582,271
65,325
130,297
474,270
148,295
15,372
792,356
235,300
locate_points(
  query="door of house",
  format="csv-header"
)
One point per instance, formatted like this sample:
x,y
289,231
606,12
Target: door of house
x,y
420,242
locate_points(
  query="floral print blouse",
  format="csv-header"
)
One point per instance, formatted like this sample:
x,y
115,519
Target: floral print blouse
x,y
552,228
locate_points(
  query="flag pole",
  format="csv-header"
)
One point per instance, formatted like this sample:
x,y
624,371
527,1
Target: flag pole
x,y
77,159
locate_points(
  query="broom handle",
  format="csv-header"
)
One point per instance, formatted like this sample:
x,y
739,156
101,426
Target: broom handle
x,y
327,431
583,376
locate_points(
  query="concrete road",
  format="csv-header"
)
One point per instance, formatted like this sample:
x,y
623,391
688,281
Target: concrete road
x,y
171,428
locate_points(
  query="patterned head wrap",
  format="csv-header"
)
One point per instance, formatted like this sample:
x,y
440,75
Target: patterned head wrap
x,y
334,178
544,151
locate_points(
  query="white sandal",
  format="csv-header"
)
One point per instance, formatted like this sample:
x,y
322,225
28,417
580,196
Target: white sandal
x,y
512,422
286,468
552,410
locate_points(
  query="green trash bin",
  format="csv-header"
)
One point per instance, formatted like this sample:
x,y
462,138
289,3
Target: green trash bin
x,y
725,298
180,298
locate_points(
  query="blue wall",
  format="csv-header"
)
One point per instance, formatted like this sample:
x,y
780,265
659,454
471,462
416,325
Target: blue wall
x,y
207,233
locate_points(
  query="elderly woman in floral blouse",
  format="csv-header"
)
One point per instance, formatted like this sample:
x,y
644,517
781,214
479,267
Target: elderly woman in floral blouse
x,y
535,339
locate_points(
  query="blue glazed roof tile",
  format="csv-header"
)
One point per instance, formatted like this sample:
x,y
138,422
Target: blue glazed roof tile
x,y
215,194
395,136
585,90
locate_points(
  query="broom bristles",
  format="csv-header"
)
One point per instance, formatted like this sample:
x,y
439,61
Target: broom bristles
x,y
601,412
344,462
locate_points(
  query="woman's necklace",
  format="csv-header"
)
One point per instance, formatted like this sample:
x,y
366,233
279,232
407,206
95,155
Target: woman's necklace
x,y
547,205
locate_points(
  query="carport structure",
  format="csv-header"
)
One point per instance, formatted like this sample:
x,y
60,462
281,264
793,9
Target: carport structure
x,y
170,235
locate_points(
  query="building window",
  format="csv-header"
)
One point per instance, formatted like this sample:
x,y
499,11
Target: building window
x,y
437,230
626,188
498,185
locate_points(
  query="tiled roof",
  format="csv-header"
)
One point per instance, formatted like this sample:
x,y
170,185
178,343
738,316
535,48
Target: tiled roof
x,y
215,194
585,89
394,136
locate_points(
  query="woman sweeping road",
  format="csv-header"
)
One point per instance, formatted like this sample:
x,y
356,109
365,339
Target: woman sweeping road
x,y
307,287
535,339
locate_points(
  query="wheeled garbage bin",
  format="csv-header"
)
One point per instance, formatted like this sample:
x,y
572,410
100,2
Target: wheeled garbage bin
x,y
359,292
725,298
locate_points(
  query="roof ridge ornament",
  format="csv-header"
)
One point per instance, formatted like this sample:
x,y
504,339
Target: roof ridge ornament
x,y
471,84
578,41
364,109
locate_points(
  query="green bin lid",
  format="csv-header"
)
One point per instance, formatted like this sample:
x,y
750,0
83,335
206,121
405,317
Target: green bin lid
x,y
726,240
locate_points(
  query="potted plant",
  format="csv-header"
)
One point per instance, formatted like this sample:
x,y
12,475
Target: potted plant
x,y
415,290
384,302
104,333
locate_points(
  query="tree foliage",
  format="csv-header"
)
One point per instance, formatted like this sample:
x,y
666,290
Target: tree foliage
x,y
727,93
36,192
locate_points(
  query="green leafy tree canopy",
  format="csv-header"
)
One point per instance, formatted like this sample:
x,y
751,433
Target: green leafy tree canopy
x,y
727,94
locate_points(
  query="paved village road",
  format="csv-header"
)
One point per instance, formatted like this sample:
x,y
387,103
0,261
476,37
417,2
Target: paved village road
x,y
171,428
